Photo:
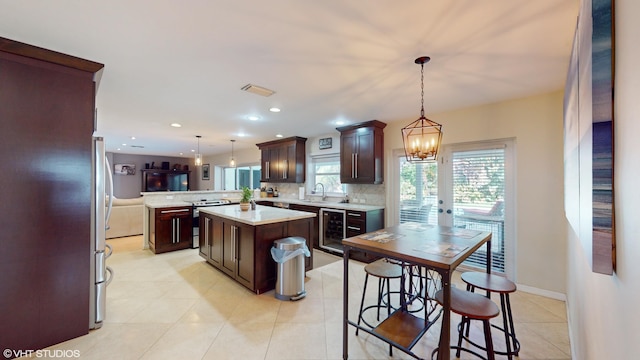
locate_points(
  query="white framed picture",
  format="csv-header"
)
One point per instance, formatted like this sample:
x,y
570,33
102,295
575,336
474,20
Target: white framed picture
x,y
125,169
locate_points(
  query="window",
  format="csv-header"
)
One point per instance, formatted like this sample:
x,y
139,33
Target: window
x,y
418,192
326,170
471,187
478,188
236,178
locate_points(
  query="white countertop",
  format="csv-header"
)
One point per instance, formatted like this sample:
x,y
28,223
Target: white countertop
x,y
260,216
324,204
168,203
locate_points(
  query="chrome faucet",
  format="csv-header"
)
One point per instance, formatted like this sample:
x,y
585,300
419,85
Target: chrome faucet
x,y
324,197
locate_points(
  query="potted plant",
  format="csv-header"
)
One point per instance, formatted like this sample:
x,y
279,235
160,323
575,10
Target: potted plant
x,y
245,199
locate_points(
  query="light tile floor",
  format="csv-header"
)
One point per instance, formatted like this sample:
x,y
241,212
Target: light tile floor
x,y
176,306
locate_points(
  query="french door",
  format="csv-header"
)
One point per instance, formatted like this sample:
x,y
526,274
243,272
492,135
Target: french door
x,y
470,187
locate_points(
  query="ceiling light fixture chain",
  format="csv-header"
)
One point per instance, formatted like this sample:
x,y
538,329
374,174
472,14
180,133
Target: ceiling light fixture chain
x,y
422,138
421,89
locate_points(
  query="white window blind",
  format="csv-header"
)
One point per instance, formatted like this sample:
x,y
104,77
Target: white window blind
x,y
478,200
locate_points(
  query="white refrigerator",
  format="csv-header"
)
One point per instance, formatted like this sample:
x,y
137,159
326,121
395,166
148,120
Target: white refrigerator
x,y
101,201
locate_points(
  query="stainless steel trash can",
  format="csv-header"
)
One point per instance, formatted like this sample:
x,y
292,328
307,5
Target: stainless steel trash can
x,y
289,255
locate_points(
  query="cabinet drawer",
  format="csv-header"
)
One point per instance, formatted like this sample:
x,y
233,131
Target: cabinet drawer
x,y
170,213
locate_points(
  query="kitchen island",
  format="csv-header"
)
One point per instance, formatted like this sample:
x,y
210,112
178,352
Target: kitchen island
x,y
238,243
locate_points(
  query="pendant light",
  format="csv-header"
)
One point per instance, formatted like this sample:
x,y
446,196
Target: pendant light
x,y
422,137
198,155
232,162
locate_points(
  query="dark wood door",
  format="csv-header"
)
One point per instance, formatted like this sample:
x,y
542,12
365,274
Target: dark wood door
x,y
275,164
46,122
364,159
163,231
185,229
315,229
244,254
215,241
264,163
204,236
347,156
228,264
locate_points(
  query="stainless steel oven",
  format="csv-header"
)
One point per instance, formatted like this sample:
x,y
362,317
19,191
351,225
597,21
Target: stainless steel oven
x,y
332,229
196,216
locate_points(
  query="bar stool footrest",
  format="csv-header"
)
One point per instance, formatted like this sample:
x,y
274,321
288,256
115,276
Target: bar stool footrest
x,y
515,342
459,348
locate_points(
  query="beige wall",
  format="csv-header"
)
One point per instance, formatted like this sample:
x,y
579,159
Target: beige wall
x,y
536,125
604,320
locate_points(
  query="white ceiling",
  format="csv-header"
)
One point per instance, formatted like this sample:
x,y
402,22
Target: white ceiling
x,y
329,60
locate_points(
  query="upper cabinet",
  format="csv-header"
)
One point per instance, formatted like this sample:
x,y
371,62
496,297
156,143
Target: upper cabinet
x,y
361,153
283,160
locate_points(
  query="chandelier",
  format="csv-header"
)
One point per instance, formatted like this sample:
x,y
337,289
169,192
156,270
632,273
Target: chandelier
x,y
422,137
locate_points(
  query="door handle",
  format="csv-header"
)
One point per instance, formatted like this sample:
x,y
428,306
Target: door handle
x,y
448,211
356,166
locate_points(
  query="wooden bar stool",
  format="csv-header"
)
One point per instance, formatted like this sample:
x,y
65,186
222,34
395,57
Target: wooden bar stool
x,y
471,307
497,284
384,271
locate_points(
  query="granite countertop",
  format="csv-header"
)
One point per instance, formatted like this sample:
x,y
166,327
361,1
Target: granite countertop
x,y
324,204
260,216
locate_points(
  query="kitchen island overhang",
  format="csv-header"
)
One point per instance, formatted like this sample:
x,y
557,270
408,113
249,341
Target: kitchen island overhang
x,y
238,243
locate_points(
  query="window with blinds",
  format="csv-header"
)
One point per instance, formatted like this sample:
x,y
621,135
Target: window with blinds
x,y
478,181
326,171
418,192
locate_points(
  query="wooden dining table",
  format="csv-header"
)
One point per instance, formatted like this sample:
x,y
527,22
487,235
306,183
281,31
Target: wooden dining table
x,y
437,248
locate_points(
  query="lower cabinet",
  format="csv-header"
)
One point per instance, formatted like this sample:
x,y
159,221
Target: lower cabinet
x,y
237,250
243,251
315,236
170,229
360,222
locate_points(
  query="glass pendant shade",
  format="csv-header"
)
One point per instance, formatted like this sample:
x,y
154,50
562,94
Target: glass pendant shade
x,y
232,161
198,156
422,138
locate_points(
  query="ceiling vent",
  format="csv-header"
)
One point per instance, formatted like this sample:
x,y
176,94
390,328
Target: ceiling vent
x,y
258,90
137,146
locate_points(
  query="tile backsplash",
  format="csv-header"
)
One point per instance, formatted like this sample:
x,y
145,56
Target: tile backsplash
x,y
359,194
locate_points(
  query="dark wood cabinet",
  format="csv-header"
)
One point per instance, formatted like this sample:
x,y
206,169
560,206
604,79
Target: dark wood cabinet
x,y
243,252
237,250
283,160
210,239
170,229
47,118
362,153
360,222
315,231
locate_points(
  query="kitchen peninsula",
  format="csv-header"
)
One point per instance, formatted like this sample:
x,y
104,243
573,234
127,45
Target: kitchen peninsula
x,y
238,243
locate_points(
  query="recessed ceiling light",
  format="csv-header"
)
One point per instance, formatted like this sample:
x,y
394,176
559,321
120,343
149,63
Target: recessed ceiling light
x,y
124,144
253,117
133,138
181,153
176,125
274,109
242,134
339,122
193,150
118,149
278,135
